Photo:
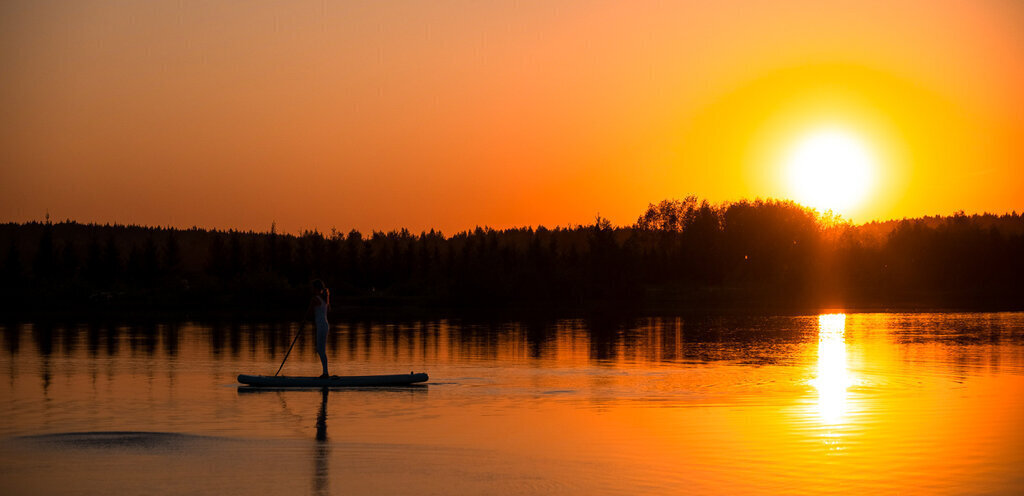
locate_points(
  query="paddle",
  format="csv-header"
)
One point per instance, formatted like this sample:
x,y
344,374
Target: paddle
x,y
301,325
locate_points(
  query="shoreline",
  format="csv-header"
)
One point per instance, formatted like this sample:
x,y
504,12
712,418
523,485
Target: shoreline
x,y
345,312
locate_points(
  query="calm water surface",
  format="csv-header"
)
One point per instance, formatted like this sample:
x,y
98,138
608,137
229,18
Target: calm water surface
x,y
857,403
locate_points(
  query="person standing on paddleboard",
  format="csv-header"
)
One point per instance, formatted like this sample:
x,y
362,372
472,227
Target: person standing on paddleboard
x,y
319,305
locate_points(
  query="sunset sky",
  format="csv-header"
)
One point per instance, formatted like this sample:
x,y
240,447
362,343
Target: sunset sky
x,y
380,115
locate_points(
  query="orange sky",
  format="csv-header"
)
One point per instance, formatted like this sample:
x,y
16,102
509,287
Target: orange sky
x,y
455,114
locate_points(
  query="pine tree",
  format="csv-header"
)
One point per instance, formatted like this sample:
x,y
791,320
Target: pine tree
x,y
43,265
12,264
111,261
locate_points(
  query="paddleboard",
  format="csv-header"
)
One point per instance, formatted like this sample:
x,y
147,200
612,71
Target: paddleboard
x,y
332,381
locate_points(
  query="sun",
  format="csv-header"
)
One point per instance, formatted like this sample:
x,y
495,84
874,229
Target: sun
x,y
830,169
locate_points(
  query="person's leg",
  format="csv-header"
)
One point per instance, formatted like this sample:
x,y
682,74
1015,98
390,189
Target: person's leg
x,y
323,361
321,348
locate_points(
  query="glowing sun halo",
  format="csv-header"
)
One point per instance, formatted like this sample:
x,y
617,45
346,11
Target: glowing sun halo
x,y
830,169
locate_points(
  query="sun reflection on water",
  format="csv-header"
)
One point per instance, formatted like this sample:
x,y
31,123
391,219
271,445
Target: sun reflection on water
x,y
833,377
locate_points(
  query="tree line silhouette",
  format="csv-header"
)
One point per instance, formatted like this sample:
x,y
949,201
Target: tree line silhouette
x,y
683,254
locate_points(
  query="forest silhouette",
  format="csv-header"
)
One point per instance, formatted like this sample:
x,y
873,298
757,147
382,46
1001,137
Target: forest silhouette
x,y
680,255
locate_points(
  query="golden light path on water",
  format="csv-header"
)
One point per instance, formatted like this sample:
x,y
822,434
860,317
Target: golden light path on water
x,y
833,378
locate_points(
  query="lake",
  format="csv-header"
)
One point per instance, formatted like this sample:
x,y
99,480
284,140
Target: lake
x,y
835,403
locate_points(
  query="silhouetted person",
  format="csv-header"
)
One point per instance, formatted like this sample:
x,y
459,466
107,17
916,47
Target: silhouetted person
x,y
319,305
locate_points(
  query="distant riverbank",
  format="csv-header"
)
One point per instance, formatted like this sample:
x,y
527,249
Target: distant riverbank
x,y
681,256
